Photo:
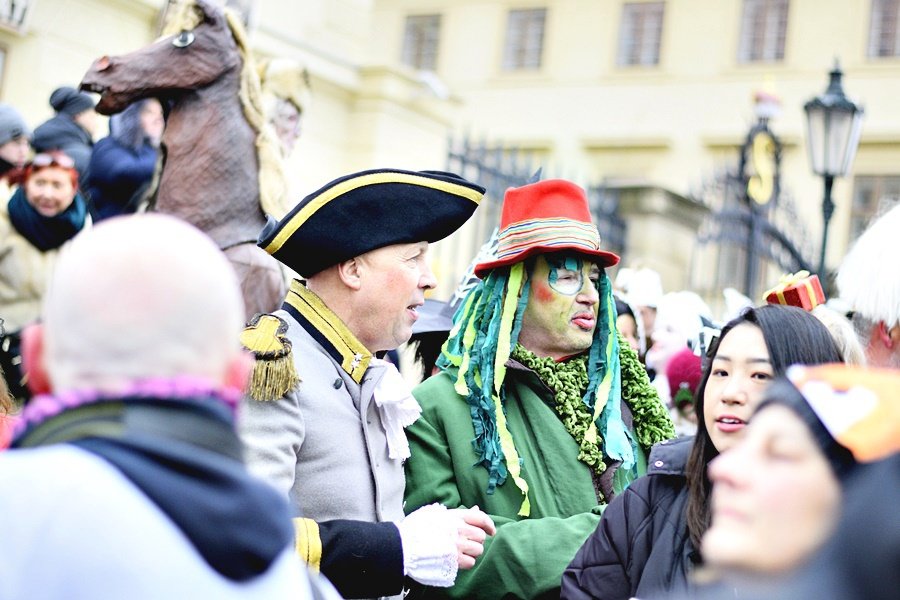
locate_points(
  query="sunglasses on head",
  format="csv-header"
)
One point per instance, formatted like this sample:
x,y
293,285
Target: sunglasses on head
x,y
53,160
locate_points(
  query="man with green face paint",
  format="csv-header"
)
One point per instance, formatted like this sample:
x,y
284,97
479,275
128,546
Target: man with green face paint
x,y
561,317
541,413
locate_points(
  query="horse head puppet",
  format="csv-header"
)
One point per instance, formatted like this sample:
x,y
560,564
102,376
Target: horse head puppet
x,y
221,168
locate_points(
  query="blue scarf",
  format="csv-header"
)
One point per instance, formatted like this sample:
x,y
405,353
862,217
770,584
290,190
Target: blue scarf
x,y
186,457
46,233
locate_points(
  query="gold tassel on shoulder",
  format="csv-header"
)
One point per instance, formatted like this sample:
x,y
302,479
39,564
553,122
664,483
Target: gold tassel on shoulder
x,y
274,374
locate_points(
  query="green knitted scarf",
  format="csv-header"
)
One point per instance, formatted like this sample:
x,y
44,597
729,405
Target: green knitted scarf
x,y
568,381
652,422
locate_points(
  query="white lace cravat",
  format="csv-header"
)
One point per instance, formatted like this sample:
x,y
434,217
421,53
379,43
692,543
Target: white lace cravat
x,y
398,409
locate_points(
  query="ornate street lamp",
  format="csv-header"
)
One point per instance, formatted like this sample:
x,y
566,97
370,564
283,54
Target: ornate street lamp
x,y
834,123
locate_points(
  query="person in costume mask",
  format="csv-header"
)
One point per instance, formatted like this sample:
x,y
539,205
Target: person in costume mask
x,y
542,412
324,421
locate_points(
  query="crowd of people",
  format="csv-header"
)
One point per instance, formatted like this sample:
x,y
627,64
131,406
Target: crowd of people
x,y
55,182
572,434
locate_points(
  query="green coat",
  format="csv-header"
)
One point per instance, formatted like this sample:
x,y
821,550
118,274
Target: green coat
x,y
527,556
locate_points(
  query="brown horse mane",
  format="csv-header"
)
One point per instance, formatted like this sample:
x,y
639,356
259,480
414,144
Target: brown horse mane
x,y
272,187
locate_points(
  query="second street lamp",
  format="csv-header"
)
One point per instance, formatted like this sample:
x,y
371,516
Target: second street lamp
x,y
834,124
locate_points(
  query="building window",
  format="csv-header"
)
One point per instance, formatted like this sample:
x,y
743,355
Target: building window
x,y
640,32
524,39
883,40
14,15
420,41
873,195
763,28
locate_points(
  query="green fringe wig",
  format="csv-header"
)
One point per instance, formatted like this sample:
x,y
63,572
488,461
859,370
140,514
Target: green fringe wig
x,y
485,331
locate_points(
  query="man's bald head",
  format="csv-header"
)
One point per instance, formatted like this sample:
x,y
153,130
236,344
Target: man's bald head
x,y
140,297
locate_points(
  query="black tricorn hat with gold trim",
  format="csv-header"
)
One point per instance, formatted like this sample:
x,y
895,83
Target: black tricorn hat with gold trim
x,y
369,210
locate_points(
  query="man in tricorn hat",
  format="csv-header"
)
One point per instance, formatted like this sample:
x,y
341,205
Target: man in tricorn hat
x,y
542,412
325,419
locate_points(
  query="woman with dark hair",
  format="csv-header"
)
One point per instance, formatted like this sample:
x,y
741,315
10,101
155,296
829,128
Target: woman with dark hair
x,y
648,540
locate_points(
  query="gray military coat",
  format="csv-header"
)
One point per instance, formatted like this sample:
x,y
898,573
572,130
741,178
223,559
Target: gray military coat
x,y
323,443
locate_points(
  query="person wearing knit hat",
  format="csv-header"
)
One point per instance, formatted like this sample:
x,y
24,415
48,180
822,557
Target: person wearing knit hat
x,y
680,317
541,413
14,146
69,101
72,129
683,373
859,561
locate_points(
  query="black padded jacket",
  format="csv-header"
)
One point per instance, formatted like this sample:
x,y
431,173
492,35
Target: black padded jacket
x,y
641,548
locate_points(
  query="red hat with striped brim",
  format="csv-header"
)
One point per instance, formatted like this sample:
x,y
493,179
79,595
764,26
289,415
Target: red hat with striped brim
x,y
547,216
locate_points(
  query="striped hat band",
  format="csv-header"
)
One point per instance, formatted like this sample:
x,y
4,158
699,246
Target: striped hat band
x,y
547,233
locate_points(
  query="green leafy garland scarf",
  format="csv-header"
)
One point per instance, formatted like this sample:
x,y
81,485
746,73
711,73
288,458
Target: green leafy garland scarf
x,y
486,328
568,381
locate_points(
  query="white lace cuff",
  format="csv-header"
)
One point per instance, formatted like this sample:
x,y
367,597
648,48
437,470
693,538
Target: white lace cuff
x,y
429,537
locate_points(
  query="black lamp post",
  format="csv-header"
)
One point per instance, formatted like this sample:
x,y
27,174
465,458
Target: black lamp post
x,y
834,124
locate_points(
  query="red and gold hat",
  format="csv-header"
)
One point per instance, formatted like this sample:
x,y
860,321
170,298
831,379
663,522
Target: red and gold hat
x,y
542,217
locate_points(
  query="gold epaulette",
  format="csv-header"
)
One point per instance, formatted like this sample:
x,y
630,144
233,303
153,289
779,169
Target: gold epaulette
x,y
274,374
